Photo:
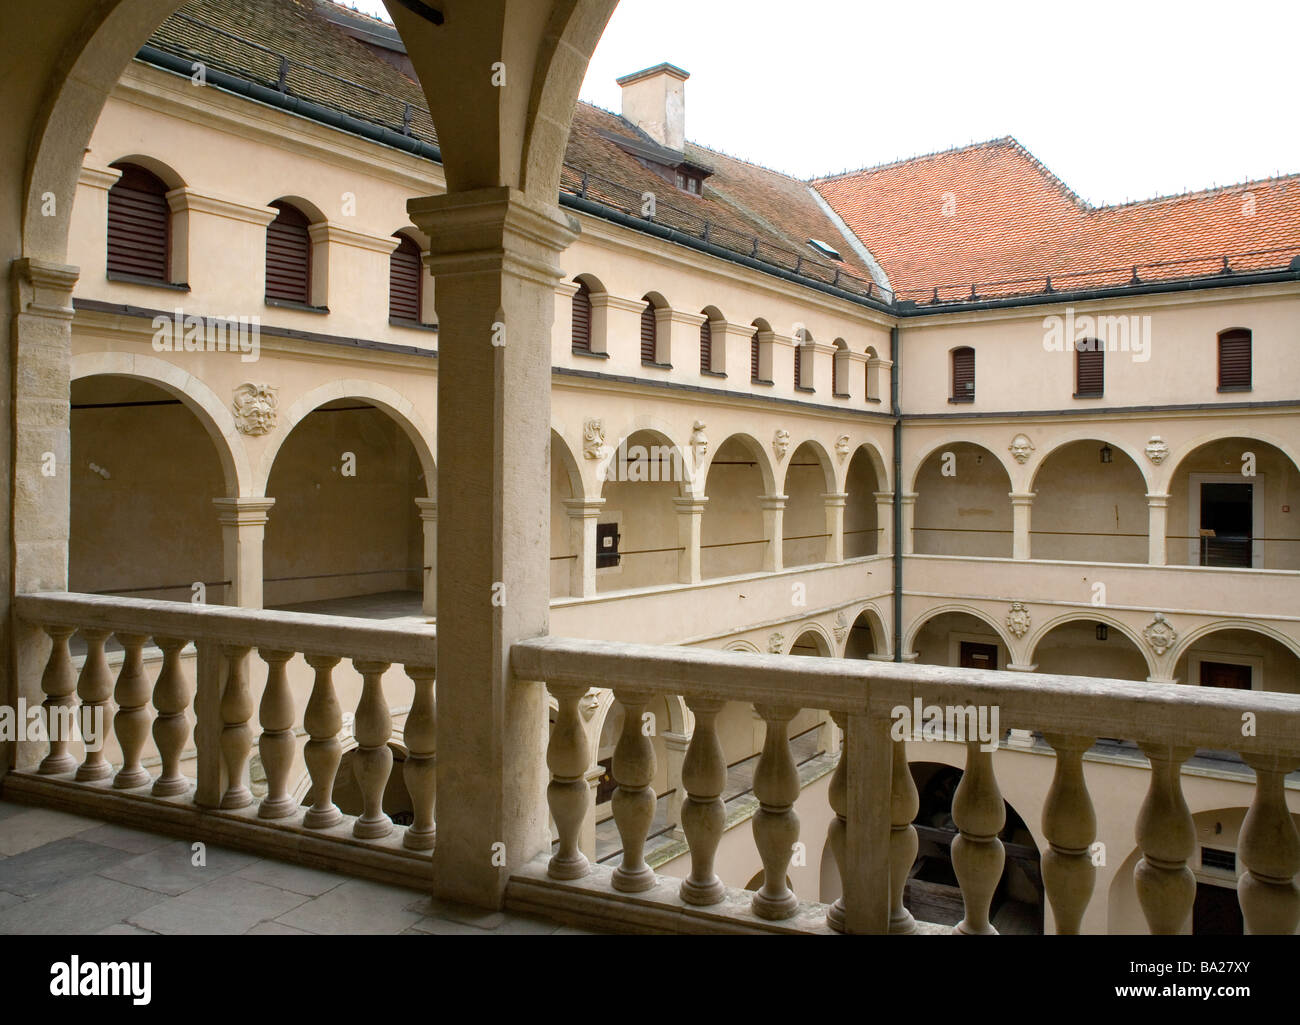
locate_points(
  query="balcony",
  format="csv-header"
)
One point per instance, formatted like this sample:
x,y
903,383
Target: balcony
x,y
871,793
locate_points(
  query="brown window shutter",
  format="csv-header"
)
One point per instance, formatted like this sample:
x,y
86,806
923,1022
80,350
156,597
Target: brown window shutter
x,y
1089,367
1234,359
404,280
753,357
706,346
582,318
963,373
288,256
649,335
798,364
835,374
139,225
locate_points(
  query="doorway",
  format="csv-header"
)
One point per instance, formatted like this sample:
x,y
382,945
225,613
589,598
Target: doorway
x,y
1225,674
1226,524
978,656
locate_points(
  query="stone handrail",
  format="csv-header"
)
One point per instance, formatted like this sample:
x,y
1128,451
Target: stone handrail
x,y
872,793
218,708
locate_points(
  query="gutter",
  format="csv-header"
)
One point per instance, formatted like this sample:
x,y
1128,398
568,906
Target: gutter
x,y
895,356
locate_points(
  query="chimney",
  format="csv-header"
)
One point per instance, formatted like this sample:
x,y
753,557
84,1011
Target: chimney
x,y
655,101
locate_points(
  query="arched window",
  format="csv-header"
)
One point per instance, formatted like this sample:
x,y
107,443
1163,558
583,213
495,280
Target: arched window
x,y
706,347
963,374
1089,368
404,280
802,341
1234,360
753,357
288,256
581,330
649,334
139,225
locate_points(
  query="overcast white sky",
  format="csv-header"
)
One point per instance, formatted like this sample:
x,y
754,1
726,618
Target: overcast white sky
x,y
1123,99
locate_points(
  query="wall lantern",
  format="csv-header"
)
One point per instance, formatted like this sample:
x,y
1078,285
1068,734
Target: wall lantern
x,y
1103,631
1105,453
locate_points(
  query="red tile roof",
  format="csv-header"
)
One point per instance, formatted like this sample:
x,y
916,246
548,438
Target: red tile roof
x,y
992,214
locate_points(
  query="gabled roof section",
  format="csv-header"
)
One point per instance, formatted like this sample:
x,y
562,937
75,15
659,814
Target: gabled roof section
x,y
990,219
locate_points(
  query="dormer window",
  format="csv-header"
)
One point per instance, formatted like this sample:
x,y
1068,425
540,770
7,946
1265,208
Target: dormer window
x,y
825,249
690,182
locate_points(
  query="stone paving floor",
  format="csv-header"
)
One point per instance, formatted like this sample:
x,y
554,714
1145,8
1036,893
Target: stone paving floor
x,y
65,874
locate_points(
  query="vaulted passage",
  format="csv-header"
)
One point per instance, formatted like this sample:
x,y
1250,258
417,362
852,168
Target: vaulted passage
x,y
963,503
1089,505
731,533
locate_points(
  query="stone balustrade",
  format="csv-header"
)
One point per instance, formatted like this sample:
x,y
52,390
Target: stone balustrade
x,y
213,719
873,797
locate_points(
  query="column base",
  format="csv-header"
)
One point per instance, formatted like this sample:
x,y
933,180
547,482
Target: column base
x,y
54,765
372,829
568,868
170,786
236,797
320,818
125,780
419,840
277,808
774,910
633,882
702,895
89,771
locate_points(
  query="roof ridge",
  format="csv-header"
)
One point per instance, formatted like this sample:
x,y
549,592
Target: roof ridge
x,y
898,162
360,14
1171,197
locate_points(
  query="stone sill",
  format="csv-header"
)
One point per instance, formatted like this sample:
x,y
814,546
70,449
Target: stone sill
x,y
136,279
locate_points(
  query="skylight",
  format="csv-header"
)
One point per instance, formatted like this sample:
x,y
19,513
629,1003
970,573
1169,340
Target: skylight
x,y
824,249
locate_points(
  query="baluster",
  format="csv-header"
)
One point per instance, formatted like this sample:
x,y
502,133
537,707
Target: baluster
x,y
276,744
171,697
373,761
420,770
322,719
1070,825
131,723
1166,888
776,826
568,755
58,682
1270,849
704,777
904,803
633,803
837,831
95,688
236,733
977,854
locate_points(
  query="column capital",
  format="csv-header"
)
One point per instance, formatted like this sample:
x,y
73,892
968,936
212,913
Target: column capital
x,y
692,504
428,509
243,512
773,501
675,741
1022,497
583,508
491,230
908,498
1022,668
883,496
1157,499
44,288
836,498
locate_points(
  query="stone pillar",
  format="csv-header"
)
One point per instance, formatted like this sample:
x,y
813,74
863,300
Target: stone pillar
x,y
495,260
835,503
774,531
587,838
243,529
675,744
429,521
690,516
1157,520
1021,505
583,514
42,448
908,502
885,522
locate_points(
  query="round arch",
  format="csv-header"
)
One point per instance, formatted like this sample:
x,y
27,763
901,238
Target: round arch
x,y
948,442
751,444
1185,644
569,463
917,624
201,400
822,639
875,622
823,459
1180,455
393,403
313,213
661,435
165,173
877,461
1035,638
1041,458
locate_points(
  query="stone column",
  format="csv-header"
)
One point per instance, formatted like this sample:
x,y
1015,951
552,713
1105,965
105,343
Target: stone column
x,y
1021,505
774,530
835,503
675,744
495,258
885,522
429,521
908,502
583,514
690,516
42,449
587,839
243,529
1157,521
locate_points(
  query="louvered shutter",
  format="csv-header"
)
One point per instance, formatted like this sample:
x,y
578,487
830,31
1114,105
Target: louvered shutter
x,y
288,256
835,374
404,280
753,357
706,346
1089,367
139,221
1234,359
963,373
581,309
798,364
649,335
